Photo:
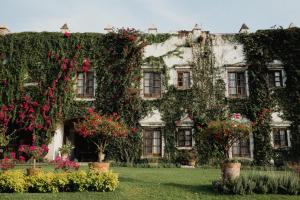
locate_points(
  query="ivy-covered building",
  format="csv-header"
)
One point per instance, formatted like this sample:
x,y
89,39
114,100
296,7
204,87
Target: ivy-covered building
x,y
166,91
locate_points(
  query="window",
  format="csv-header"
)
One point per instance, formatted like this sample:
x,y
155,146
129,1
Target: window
x,y
236,84
184,138
152,84
241,148
85,84
280,137
152,143
275,78
183,79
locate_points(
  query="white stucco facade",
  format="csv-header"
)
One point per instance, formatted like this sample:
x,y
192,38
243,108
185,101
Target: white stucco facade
x,y
229,56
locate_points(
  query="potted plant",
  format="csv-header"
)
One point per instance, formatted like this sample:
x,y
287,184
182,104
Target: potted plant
x,y
34,153
65,150
192,157
225,133
99,129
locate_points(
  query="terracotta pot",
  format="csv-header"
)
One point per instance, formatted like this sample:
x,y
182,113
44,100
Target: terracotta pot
x,y
192,163
32,171
230,170
65,156
99,166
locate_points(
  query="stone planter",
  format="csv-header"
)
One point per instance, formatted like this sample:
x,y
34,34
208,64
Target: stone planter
x,y
99,166
230,170
32,171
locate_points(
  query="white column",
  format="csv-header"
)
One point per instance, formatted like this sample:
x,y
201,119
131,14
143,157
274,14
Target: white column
x,y
56,143
162,144
251,145
288,133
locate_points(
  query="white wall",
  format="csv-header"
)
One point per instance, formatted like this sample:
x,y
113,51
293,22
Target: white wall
x,y
56,143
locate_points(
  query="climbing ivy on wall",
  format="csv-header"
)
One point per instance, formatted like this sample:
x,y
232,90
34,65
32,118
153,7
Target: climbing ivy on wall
x,y
261,48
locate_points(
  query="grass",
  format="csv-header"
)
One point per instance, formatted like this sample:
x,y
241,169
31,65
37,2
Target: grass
x,y
156,183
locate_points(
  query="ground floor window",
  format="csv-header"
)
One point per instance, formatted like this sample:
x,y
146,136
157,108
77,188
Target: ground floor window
x,y
241,148
152,142
184,138
280,137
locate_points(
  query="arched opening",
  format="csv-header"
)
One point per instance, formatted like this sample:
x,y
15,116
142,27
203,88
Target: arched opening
x,y
85,150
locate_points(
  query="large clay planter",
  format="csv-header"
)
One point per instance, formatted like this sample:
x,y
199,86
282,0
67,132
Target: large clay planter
x,y
230,170
99,166
32,171
192,163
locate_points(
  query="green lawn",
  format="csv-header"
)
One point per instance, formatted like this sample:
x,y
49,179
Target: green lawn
x,y
155,183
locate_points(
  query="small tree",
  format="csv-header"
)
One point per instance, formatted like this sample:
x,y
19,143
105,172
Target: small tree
x,y
100,129
225,133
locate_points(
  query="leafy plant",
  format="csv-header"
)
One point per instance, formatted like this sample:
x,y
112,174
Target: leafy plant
x,y
66,149
100,129
226,133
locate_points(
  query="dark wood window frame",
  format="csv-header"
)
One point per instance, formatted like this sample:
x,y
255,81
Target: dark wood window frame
x,y
236,83
280,137
275,78
241,148
152,85
150,147
85,85
184,140
181,82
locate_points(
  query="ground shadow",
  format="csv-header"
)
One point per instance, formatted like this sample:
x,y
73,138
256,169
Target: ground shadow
x,y
204,189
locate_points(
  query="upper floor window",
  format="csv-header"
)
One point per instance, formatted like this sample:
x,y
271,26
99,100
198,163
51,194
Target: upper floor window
x,y
85,84
280,137
236,84
241,148
152,84
184,138
183,79
275,78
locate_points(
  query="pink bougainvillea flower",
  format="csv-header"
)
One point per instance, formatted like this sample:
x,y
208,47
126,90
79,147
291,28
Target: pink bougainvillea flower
x,y
12,155
67,34
45,108
21,159
35,104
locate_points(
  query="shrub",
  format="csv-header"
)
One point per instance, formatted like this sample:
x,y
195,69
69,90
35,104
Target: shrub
x,y
102,182
16,181
286,183
12,181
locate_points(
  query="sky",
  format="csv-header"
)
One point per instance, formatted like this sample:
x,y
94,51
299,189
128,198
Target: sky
x,y
216,16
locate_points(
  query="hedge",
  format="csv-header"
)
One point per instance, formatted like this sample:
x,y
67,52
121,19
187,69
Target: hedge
x,y
44,182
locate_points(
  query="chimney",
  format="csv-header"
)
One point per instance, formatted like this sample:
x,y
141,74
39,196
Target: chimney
x,y
152,29
65,28
244,29
4,30
196,31
109,28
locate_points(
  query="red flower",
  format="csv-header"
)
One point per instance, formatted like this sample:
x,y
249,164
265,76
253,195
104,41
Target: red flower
x,y
32,148
67,34
110,119
90,110
12,155
21,159
134,130
85,65
78,47
45,108
35,104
